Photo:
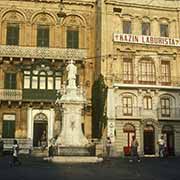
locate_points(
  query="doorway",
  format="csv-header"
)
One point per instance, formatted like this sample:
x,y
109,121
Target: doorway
x,y
40,128
149,140
168,133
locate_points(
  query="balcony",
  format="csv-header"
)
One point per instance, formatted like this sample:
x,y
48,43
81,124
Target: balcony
x,y
130,79
39,95
127,112
42,52
167,114
10,94
140,113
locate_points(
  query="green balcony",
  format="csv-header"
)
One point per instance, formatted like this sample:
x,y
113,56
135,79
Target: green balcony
x,y
39,95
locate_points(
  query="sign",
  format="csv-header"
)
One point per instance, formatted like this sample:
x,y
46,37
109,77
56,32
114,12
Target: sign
x,y
111,130
152,40
9,117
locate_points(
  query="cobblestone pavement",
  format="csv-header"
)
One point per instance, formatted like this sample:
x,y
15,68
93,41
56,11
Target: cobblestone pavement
x,y
119,168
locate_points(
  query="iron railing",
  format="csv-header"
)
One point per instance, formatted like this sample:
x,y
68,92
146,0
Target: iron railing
x,y
10,94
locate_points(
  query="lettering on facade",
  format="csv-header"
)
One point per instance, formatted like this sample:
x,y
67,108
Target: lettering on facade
x,y
139,39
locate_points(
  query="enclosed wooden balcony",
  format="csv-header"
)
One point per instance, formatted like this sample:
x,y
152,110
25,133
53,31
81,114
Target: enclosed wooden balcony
x,y
39,95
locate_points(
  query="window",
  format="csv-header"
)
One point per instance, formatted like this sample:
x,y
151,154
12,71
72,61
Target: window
x,y
8,126
147,102
165,107
164,30
127,27
42,36
127,71
12,37
146,29
10,81
127,106
165,72
73,39
42,79
146,72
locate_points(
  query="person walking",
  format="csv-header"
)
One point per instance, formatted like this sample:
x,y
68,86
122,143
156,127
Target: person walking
x,y
43,141
134,149
108,147
161,143
15,154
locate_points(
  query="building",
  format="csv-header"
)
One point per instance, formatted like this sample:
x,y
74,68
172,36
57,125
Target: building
x,y
138,45
37,39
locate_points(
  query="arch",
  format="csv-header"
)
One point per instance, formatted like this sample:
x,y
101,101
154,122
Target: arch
x,y
72,18
146,19
167,129
129,127
40,117
10,11
44,17
171,98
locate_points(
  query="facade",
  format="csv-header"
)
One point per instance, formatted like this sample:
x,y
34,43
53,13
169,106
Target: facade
x,y
139,59
37,39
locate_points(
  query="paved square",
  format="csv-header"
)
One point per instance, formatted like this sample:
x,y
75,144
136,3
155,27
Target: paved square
x,y
120,169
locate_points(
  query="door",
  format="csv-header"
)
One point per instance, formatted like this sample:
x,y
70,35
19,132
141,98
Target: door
x,y
168,132
170,143
149,141
39,128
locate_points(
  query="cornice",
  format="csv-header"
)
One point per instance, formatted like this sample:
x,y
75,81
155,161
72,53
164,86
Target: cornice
x,y
141,5
75,2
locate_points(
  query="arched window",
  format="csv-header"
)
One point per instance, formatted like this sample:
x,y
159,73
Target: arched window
x,y
127,106
147,102
146,72
165,107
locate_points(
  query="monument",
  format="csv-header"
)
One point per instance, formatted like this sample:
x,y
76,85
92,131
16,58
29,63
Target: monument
x,y
71,140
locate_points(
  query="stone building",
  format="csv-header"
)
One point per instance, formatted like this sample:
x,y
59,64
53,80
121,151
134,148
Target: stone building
x,y
37,39
138,44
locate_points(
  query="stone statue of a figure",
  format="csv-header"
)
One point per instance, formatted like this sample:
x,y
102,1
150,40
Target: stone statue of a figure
x,y
72,71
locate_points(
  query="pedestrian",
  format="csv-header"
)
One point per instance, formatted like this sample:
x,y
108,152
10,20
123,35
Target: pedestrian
x,y
15,154
1,147
161,143
51,151
134,149
108,146
43,141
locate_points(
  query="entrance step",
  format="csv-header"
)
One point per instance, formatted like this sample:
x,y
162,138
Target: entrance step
x,y
75,159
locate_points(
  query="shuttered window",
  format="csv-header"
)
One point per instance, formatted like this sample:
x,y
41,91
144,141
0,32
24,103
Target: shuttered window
x,y
42,36
73,39
12,36
8,126
10,81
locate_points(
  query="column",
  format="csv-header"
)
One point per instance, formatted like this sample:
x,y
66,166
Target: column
x,y
51,123
29,123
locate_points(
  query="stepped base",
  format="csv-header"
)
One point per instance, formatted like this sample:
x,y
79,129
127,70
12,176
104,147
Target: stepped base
x,y
76,151
75,159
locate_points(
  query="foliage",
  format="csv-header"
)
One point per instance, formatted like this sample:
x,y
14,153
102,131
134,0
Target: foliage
x,y
99,96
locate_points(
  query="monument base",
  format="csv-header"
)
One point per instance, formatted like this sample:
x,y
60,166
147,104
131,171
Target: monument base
x,y
76,151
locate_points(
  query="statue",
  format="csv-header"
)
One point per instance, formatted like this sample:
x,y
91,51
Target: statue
x,y
72,71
